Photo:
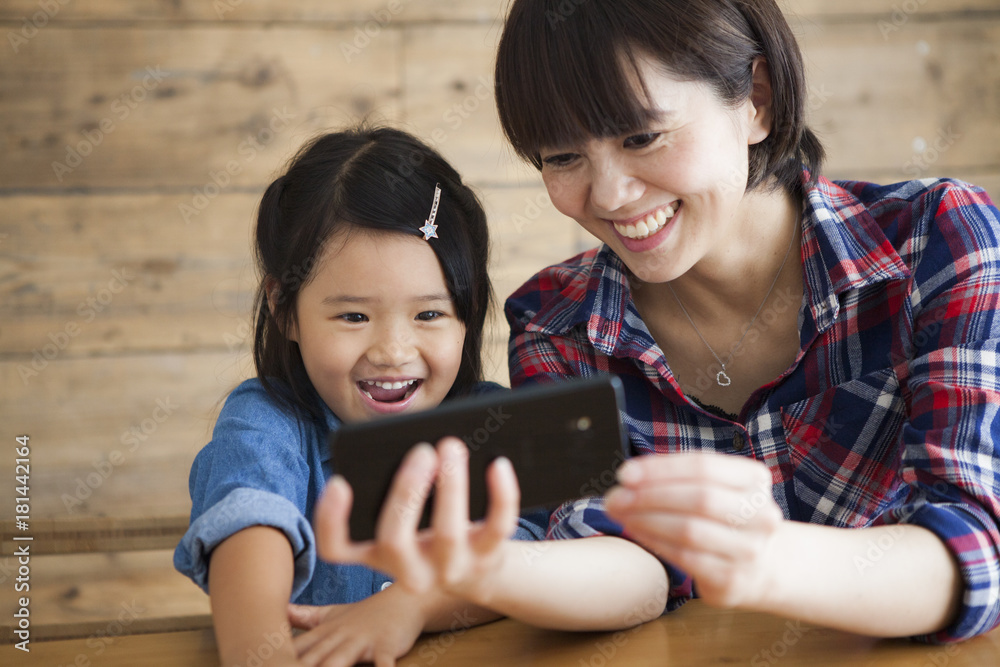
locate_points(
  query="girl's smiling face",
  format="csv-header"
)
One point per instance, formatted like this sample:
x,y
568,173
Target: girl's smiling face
x,y
667,197
377,328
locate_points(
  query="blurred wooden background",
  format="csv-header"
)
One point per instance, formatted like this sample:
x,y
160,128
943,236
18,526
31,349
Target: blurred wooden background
x,y
139,135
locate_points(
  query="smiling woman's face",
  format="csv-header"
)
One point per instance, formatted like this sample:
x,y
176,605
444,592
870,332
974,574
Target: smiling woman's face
x,y
663,198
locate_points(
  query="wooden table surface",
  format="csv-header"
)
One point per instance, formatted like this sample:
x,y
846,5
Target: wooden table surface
x,y
694,635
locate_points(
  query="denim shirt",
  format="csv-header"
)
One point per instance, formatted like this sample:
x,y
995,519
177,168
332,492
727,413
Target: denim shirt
x,y
263,467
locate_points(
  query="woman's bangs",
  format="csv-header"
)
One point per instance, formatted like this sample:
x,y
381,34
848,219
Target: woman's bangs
x,y
588,88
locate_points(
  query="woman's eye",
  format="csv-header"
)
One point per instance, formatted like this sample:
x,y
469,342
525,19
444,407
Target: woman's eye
x,y
353,318
641,140
559,160
429,315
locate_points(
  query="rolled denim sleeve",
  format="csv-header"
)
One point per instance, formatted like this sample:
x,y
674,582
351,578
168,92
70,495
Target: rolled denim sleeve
x,y
253,472
243,508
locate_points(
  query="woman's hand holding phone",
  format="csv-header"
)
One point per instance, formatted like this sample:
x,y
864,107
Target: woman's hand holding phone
x,y
711,515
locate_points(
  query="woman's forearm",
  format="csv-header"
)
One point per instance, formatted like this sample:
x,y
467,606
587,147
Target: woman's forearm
x,y
886,581
250,582
595,583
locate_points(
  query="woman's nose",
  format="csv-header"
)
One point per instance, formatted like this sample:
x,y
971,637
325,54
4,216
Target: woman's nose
x,y
612,186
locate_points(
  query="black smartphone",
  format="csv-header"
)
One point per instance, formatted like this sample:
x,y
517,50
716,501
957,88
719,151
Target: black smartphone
x,y
565,440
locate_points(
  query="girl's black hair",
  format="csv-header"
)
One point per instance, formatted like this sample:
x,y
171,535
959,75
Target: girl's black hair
x,y
368,179
564,69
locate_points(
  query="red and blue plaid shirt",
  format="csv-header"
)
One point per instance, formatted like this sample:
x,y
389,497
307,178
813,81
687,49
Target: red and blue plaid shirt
x,y
889,413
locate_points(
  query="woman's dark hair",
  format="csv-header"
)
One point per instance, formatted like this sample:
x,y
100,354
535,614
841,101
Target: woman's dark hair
x,y
563,72
368,180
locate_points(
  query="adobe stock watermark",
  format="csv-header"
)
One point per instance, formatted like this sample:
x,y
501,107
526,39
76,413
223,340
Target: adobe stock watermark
x,y
888,536
454,117
30,27
706,377
223,7
247,149
942,657
121,109
926,153
899,17
562,12
494,421
532,211
88,309
104,467
270,644
99,642
773,654
606,649
926,335
437,646
365,34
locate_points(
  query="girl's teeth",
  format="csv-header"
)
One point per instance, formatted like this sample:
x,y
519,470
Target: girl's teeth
x,y
389,385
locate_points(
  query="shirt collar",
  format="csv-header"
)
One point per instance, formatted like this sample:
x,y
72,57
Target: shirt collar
x,y
843,248
595,293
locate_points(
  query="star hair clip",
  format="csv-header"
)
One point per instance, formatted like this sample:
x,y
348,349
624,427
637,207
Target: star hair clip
x,y
430,229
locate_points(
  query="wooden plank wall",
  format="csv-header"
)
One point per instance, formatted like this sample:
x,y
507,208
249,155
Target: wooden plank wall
x,y
123,315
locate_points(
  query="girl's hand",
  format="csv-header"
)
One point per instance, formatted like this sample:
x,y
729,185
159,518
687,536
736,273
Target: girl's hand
x,y
378,629
709,514
455,555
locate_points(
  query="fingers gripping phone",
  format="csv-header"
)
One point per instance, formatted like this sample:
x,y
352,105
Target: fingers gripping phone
x,y
565,441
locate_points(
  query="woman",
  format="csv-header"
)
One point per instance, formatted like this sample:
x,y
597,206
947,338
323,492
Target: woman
x,y
800,356
856,372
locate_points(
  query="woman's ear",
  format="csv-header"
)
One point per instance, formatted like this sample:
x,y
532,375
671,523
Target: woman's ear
x,y
274,296
760,108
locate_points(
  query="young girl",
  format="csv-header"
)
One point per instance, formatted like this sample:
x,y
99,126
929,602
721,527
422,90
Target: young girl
x,y
374,292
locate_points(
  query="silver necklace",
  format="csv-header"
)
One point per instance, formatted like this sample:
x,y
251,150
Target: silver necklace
x,y
722,378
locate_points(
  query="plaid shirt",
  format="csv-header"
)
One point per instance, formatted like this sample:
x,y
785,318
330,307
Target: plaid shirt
x,y
889,413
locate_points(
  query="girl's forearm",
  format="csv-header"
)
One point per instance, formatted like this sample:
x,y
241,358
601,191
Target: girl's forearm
x,y
595,583
886,581
250,582
446,613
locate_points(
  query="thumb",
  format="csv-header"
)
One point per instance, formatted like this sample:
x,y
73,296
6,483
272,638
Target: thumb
x,y
304,616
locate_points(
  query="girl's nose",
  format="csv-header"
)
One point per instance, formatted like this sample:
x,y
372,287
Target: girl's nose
x,y
612,186
392,348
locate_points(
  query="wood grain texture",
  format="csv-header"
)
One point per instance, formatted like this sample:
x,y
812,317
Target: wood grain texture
x,y
123,272
100,534
104,596
156,107
114,436
693,635
927,104
384,12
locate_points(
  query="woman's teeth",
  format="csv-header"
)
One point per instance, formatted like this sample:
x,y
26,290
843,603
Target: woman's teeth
x,y
649,225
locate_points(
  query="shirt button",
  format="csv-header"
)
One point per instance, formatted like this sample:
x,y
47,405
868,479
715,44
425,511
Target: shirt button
x,y
738,441
386,584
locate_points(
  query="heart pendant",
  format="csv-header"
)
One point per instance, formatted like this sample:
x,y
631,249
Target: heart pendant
x,y
723,379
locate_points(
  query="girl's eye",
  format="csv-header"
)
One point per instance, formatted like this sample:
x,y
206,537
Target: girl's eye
x,y
559,160
641,140
353,318
429,315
